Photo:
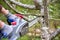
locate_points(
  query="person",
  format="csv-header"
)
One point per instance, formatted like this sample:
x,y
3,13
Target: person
x,y
12,19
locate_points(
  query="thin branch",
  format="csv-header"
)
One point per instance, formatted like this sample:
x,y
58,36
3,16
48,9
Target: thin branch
x,y
23,5
11,6
14,9
55,33
54,19
38,15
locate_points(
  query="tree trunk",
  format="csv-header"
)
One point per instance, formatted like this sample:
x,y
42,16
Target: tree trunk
x,y
44,21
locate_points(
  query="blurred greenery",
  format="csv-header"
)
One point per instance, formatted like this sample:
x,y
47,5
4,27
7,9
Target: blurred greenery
x,y
54,9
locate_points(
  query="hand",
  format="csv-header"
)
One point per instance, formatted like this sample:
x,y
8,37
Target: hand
x,y
1,24
3,10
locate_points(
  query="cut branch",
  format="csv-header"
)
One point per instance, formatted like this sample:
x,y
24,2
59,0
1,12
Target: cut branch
x,y
23,5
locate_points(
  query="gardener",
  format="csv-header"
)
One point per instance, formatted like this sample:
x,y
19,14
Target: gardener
x,y
14,20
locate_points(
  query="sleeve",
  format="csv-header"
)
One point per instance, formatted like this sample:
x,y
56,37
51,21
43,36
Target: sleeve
x,y
7,30
11,16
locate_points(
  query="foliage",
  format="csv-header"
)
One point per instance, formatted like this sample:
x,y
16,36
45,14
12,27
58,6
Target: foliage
x,y
54,9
